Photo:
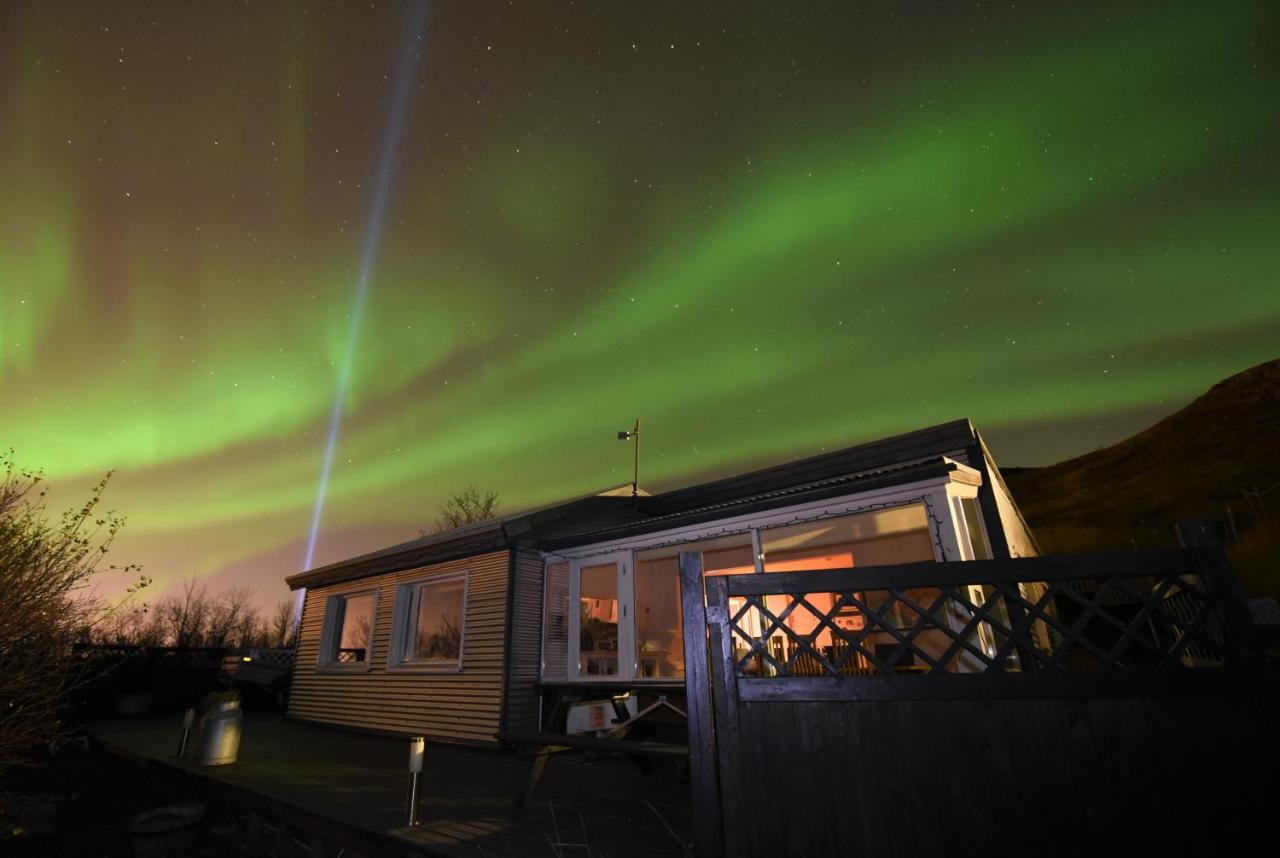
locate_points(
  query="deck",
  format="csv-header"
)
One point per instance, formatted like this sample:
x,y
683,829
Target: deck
x,y
347,790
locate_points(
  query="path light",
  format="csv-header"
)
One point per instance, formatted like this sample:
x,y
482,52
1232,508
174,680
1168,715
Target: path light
x,y
417,751
188,721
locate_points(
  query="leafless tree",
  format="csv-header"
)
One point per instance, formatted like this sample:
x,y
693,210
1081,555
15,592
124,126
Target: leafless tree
x,y
231,620
467,507
185,619
280,628
46,566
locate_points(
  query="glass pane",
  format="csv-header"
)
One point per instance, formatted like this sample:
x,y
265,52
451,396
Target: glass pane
x,y
722,555
736,560
356,622
598,620
438,630
877,538
898,535
973,525
659,628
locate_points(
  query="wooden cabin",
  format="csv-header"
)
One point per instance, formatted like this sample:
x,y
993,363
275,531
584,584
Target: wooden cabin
x,y
470,635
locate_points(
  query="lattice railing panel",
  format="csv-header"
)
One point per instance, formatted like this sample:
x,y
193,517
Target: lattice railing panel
x,y
1073,624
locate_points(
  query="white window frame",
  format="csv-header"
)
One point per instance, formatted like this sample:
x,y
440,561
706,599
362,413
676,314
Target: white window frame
x,y
408,598
623,564
950,543
329,635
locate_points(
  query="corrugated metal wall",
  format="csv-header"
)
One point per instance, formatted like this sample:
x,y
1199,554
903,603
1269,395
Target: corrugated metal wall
x,y
526,641
462,705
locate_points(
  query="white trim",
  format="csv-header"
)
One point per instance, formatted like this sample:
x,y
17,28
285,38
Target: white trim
x,y
407,596
931,493
622,562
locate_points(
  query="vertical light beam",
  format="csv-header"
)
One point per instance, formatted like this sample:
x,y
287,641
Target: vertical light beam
x,y
369,254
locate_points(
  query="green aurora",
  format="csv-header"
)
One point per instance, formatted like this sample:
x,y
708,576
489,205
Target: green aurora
x,y
765,233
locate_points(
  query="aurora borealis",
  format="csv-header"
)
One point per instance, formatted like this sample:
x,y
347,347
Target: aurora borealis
x,y
763,229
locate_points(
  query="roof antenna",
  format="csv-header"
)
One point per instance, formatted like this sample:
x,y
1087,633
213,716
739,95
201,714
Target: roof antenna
x,y
634,434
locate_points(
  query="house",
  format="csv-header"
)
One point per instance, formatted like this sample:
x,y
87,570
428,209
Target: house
x,y
469,635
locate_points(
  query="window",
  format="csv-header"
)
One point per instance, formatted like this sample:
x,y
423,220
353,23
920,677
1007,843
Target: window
x,y
879,537
895,535
659,620
659,624
973,526
598,620
430,622
348,630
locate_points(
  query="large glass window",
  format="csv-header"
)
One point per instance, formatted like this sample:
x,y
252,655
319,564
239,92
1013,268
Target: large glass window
x,y
348,634
659,619
432,621
659,627
879,537
875,538
626,625
598,620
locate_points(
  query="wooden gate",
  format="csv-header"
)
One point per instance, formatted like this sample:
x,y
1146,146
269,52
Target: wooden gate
x,y
1033,705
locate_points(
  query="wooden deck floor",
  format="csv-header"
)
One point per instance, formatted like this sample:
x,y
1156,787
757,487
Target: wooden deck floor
x,y
349,790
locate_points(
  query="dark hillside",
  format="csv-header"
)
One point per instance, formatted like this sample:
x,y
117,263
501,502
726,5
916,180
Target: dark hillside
x,y
1219,457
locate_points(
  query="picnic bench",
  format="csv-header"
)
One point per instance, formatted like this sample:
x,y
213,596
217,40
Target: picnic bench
x,y
559,697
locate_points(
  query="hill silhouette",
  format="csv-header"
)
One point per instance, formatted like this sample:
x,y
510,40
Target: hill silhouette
x,y
1215,458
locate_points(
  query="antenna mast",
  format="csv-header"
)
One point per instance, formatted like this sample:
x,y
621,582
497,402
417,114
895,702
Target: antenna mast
x,y
634,435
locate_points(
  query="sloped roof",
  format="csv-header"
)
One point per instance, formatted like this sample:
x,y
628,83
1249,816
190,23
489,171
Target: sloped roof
x,y
613,513
599,510
909,472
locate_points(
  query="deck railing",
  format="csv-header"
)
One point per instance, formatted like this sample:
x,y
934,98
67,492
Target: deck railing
x,y
1148,614
996,670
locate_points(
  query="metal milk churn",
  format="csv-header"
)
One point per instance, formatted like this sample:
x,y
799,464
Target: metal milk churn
x,y
220,727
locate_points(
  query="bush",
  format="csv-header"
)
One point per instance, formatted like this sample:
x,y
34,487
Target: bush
x,y
45,567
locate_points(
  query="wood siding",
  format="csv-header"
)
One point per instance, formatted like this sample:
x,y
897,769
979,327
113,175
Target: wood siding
x,y
460,705
1143,751
525,655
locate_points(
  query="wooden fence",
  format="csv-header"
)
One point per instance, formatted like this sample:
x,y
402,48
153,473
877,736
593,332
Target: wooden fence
x,y
1042,705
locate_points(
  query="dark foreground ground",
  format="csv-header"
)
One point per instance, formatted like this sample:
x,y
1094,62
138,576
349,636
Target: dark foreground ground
x,y
296,786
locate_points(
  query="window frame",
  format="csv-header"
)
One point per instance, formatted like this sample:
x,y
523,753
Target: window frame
x,y
623,562
407,600
935,493
330,634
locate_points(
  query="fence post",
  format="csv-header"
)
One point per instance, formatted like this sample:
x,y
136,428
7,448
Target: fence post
x,y
1205,538
704,786
724,704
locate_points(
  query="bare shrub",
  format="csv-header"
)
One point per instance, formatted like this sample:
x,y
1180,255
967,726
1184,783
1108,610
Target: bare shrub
x,y
46,566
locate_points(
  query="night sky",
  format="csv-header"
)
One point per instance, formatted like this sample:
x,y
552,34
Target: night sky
x,y
765,230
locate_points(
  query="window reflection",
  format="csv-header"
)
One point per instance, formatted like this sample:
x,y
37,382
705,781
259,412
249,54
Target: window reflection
x,y
354,620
